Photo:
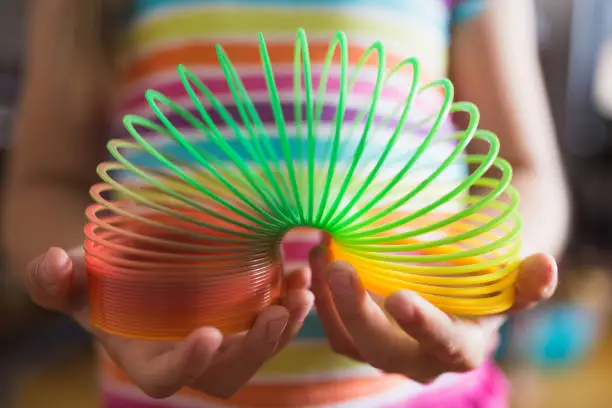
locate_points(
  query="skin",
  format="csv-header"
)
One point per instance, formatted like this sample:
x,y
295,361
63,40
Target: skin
x,y
493,64
204,361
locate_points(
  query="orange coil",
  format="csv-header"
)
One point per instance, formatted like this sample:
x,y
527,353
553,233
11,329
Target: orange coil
x,y
146,283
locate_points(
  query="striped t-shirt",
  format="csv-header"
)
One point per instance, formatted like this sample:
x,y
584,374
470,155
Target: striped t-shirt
x,y
165,33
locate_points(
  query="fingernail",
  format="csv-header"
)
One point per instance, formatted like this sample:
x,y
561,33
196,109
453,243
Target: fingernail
x,y
415,299
275,328
43,276
550,289
341,284
404,311
548,292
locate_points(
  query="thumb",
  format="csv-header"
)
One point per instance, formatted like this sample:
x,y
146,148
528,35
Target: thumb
x,y
49,280
318,259
536,281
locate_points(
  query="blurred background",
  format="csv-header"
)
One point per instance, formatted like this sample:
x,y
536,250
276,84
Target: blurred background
x,y
559,356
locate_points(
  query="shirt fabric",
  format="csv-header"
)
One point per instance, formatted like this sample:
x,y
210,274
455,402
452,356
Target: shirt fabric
x,y
165,33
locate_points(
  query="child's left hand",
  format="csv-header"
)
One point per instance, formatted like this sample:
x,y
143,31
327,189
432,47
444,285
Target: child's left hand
x,y
432,342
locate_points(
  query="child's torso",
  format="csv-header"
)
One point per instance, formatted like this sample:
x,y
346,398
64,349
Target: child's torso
x,y
165,33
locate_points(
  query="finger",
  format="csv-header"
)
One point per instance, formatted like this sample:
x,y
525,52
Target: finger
x,y
536,281
297,300
375,338
299,279
161,369
463,345
234,368
49,280
298,303
335,331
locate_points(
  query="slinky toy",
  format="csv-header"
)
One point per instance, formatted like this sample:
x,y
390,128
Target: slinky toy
x,y
188,234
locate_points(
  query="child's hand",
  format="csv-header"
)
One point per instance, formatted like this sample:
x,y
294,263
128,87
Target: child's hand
x,y
204,361
430,342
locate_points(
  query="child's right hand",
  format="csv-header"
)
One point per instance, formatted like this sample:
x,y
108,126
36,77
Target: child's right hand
x,y
205,360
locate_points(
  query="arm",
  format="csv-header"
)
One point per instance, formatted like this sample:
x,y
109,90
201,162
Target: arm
x,y
494,64
59,135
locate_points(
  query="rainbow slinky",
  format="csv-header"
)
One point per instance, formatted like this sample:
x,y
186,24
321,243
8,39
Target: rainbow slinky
x,y
175,244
